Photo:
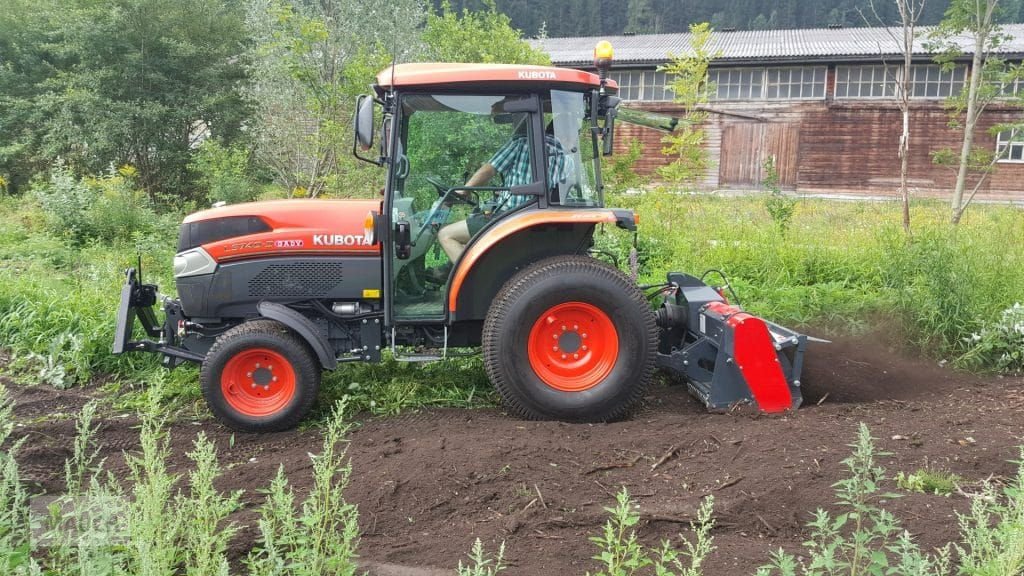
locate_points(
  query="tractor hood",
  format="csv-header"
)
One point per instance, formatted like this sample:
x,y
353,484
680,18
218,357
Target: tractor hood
x,y
281,227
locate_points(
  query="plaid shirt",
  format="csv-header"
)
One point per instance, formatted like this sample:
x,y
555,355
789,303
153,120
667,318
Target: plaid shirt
x,y
513,162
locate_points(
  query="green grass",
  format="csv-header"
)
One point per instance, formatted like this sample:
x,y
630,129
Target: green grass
x,y
929,481
845,266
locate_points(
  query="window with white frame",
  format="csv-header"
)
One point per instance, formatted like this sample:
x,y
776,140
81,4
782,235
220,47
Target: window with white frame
x,y
655,87
629,83
645,85
799,83
737,83
870,81
933,81
1010,146
1012,88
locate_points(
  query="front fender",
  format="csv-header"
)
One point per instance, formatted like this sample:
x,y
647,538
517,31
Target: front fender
x,y
304,327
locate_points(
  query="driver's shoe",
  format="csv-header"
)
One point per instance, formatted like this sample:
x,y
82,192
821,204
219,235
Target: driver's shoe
x,y
440,274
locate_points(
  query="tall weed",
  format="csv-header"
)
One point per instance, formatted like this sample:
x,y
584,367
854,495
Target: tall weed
x,y
622,553
993,529
480,564
16,544
321,536
864,538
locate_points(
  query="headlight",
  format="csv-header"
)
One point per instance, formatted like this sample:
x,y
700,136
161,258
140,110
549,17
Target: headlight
x,y
193,262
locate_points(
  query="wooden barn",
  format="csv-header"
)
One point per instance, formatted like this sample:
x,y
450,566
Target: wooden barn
x,y
820,102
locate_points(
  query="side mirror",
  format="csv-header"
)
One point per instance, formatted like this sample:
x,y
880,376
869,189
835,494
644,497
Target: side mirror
x,y
364,121
403,239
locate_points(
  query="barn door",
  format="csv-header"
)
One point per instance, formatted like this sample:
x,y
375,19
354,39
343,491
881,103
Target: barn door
x,y
747,145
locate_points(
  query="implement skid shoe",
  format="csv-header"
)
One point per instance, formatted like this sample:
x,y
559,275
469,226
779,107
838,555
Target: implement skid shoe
x,y
727,356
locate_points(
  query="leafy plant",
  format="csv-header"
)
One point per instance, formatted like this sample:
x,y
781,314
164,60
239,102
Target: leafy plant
x,y
993,529
106,208
928,481
224,172
999,346
321,537
16,544
622,554
779,206
863,539
620,173
206,510
689,84
480,563
153,524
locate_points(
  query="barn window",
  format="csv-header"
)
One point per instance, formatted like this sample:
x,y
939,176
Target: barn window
x,y
629,82
876,81
796,83
646,85
1012,88
1010,146
654,89
737,83
931,81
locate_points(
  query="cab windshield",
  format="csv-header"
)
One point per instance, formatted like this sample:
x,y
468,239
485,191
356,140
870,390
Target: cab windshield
x,y
568,122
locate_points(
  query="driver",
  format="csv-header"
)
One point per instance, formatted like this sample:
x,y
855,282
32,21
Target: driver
x,y
512,161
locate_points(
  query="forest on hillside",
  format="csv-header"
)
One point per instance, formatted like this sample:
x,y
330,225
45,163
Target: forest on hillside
x,y
594,17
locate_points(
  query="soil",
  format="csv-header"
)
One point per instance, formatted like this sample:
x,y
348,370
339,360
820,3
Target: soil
x,y
428,483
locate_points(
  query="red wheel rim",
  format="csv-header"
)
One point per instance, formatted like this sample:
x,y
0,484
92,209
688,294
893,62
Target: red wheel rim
x,y
258,382
573,346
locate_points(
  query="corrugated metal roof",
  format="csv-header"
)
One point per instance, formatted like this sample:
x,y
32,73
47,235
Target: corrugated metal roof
x,y
757,45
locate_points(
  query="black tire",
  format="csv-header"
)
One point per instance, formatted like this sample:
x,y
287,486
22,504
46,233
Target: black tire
x,y
532,293
281,343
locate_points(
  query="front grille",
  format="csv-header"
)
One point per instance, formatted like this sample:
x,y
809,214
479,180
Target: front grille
x,y
298,279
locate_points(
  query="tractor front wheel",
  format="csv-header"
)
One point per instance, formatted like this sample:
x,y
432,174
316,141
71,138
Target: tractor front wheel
x,y
260,377
570,338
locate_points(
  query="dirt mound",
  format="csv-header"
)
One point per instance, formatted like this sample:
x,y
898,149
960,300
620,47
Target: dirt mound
x,y
869,370
428,483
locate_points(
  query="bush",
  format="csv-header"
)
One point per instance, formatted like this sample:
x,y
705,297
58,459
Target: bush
x,y
104,208
999,345
224,172
620,173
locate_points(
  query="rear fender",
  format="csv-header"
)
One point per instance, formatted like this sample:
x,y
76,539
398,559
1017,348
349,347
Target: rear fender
x,y
518,241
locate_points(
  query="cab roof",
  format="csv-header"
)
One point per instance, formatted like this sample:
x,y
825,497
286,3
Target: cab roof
x,y
487,76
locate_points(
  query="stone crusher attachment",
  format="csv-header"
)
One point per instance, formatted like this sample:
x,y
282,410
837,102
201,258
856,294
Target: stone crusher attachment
x,y
727,356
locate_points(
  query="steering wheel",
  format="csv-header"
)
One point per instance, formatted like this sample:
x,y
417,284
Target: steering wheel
x,y
448,194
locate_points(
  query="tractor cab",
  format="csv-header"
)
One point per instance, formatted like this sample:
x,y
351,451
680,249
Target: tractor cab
x,y
469,148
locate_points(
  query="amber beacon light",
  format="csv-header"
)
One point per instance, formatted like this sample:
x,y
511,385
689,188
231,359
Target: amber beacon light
x,y
603,54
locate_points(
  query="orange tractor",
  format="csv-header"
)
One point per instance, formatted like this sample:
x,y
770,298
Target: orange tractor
x,y
483,239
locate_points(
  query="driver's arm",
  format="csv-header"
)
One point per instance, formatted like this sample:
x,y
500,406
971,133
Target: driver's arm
x,y
482,176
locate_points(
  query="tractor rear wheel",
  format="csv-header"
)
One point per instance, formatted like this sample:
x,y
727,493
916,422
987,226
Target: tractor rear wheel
x,y
570,338
260,377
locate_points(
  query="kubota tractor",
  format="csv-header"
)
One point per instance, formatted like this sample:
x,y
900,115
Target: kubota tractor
x,y
482,239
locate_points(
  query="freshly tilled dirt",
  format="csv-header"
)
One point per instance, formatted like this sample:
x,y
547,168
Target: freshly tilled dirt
x,y
428,483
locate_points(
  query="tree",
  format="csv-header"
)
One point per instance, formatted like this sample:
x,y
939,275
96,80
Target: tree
x,y
910,12
309,61
118,82
486,36
978,20
689,83
642,18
